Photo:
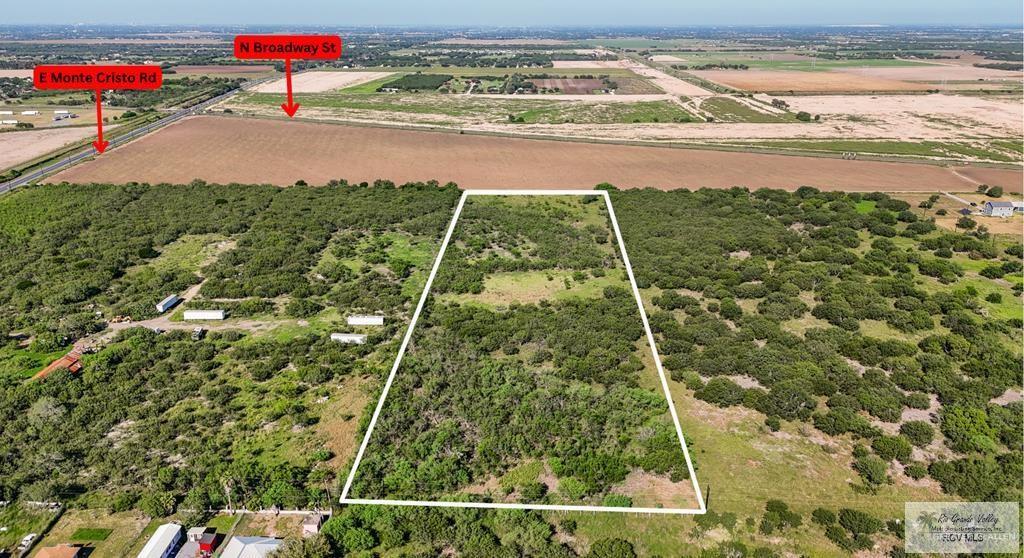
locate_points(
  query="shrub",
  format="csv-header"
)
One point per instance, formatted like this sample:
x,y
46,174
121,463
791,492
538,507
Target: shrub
x,y
873,470
821,516
778,517
611,548
918,432
721,391
858,522
892,447
916,471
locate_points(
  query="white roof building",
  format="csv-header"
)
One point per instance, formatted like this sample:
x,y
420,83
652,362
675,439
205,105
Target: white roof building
x,y
357,338
203,315
30,112
250,547
997,209
9,122
6,112
365,320
167,303
163,542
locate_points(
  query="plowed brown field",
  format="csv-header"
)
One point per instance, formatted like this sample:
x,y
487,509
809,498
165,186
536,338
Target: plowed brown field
x,y
223,150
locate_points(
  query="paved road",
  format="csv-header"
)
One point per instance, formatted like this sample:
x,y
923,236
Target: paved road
x,y
119,140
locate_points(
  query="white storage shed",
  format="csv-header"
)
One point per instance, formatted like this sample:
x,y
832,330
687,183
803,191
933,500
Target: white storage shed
x,y
204,315
358,320
163,543
167,303
356,338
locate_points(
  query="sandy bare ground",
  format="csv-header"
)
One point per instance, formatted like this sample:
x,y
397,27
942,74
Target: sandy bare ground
x,y
775,80
18,147
935,73
916,114
667,83
318,82
225,150
911,123
16,73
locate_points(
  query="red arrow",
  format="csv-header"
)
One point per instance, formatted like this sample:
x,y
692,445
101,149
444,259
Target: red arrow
x,y
99,144
289,107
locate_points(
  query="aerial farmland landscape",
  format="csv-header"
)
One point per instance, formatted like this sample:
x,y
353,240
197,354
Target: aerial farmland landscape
x,y
560,280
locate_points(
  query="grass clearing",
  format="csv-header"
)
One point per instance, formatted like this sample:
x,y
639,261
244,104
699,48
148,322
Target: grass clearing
x,y
91,534
726,109
106,534
20,520
643,112
504,288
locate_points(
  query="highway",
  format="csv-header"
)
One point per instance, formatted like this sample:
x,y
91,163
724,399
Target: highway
x,y
89,152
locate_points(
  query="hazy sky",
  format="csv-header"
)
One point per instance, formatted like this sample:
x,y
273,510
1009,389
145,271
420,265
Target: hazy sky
x,y
518,12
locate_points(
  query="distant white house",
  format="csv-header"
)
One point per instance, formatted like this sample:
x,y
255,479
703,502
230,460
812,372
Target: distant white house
x,y
163,543
203,315
356,338
1018,207
997,209
250,547
167,303
30,112
62,112
5,112
8,122
359,320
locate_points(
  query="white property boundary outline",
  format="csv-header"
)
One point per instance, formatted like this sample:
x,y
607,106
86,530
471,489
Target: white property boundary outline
x,y
408,335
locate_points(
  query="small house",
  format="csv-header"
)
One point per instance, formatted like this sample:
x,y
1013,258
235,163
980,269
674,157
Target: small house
x,y
356,338
164,542
358,320
311,524
6,112
71,361
30,113
207,543
997,209
166,304
8,122
1018,206
203,315
62,112
195,533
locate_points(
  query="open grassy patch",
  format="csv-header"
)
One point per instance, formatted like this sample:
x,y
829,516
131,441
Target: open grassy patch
x,y
106,534
727,109
91,534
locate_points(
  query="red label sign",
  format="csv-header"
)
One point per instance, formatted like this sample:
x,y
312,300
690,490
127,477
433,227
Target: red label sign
x,y
290,47
83,76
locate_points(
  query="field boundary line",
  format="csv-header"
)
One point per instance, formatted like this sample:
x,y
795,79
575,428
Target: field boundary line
x,y
408,335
